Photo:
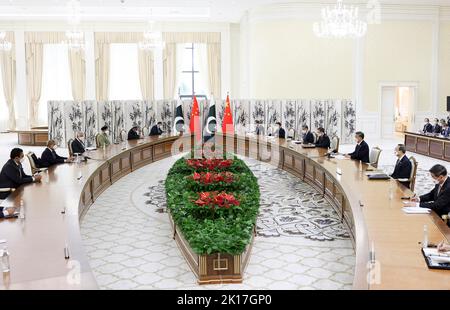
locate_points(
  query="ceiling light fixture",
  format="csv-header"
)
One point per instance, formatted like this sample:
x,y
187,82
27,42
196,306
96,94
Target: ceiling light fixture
x,y
75,37
340,22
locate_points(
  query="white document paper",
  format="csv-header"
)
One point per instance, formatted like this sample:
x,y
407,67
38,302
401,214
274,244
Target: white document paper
x,y
416,210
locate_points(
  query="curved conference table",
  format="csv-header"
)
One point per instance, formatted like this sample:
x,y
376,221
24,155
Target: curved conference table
x,y
56,206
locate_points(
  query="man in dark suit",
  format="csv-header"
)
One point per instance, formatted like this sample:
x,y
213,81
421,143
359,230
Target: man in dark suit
x,y
438,199
12,174
156,130
427,127
133,133
78,144
49,156
324,140
403,165
445,130
280,132
437,128
307,136
361,150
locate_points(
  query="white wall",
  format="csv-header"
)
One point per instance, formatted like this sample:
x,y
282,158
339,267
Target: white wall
x,y
410,44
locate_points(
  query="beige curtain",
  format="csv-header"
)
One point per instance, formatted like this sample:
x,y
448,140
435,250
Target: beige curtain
x,y
214,72
34,59
77,74
146,73
191,37
170,70
8,71
101,71
34,46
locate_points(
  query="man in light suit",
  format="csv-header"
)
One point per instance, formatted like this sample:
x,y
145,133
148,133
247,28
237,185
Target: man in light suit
x,y
438,199
361,150
78,146
12,174
403,166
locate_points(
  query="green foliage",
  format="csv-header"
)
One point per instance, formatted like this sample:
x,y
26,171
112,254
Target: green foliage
x,y
226,230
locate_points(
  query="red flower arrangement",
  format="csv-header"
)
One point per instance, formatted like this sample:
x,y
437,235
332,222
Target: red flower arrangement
x,y
216,200
213,177
209,164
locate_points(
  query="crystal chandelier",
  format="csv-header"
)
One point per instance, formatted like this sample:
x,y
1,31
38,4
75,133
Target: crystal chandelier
x,y
74,37
340,22
151,39
5,45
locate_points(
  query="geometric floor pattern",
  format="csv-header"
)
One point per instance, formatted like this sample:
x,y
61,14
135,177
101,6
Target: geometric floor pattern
x,y
300,242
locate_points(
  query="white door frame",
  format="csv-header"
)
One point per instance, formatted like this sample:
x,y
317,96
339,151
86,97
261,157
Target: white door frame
x,y
413,84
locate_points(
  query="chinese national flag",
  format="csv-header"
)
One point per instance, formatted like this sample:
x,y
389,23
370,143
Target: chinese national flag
x,y
194,125
227,123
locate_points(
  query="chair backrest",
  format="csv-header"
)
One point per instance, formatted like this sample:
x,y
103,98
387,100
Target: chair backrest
x,y
69,146
412,179
316,137
145,131
374,156
270,131
335,144
123,135
291,133
97,140
33,165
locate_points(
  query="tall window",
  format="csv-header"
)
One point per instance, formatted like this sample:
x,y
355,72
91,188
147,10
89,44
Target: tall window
x,y
192,70
56,84
4,114
124,72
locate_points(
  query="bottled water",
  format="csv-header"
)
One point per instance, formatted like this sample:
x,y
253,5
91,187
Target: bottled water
x,y
22,210
5,260
425,236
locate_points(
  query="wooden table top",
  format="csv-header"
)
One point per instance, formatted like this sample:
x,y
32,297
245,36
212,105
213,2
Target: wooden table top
x,y
427,136
37,244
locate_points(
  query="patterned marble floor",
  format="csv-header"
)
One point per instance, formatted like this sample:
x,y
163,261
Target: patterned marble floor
x,y
300,244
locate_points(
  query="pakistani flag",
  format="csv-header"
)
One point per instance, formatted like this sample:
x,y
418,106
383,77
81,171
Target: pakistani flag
x,y
211,122
179,119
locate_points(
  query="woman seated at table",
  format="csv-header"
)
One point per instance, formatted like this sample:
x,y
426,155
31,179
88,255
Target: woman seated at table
x,y
49,156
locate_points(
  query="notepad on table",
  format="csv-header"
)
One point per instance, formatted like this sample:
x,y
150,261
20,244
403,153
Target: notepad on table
x,y
416,210
308,146
340,157
91,148
435,259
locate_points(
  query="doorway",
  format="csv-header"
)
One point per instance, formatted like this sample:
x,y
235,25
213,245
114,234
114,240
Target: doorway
x,y
398,102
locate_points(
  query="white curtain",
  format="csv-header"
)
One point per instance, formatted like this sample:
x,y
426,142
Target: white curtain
x,y
101,71
214,69
146,74
8,78
170,70
77,64
34,58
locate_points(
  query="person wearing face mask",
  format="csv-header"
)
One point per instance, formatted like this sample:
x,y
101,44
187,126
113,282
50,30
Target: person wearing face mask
x,y
437,128
403,165
427,127
133,134
438,199
445,132
78,144
307,136
279,131
361,150
102,138
12,174
49,156
156,130
324,140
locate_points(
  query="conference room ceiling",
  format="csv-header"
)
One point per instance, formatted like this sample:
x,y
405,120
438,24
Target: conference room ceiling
x,y
176,10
